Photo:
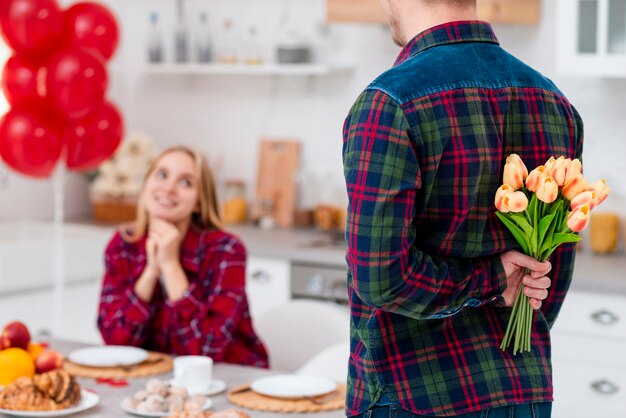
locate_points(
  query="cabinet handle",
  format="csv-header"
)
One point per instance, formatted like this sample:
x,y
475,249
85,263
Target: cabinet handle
x,y
605,317
261,276
605,387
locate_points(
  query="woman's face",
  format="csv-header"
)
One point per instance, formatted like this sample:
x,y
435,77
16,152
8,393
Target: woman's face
x,y
171,190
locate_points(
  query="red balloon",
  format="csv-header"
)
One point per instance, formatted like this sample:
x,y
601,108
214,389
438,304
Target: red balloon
x,y
92,26
76,81
31,27
28,144
19,81
93,140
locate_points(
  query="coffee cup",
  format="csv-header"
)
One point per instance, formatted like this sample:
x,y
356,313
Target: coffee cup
x,y
194,373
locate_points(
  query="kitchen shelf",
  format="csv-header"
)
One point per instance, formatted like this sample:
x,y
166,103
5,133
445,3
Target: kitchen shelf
x,y
242,69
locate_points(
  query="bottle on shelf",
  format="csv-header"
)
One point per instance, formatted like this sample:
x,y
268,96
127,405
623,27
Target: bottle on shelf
x,y
181,41
228,45
204,48
155,40
235,207
253,54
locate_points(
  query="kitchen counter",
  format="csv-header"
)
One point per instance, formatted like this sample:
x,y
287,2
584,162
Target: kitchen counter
x,y
299,245
592,273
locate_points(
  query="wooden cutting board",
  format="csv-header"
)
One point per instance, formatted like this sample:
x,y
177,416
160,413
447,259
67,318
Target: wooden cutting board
x,y
276,181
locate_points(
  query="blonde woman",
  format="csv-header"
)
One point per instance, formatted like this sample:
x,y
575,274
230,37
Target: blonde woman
x,y
174,278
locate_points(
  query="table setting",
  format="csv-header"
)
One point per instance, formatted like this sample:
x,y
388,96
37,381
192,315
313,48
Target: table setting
x,y
107,381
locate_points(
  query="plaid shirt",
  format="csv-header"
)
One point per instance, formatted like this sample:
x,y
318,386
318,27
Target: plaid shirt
x,y
211,318
424,149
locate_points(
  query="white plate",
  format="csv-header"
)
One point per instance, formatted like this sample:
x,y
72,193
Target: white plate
x,y
293,386
206,406
108,356
88,400
217,386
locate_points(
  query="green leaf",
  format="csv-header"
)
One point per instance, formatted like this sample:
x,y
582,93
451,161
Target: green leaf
x,y
522,222
517,232
561,238
544,225
556,207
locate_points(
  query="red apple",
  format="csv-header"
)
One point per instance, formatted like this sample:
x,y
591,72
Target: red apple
x,y
16,334
4,342
48,360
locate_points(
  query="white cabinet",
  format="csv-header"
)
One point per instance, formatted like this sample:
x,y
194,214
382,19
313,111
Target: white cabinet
x,y
589,357
591,37
267,283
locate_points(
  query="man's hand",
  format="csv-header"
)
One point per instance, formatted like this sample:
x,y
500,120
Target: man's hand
x,y
536,283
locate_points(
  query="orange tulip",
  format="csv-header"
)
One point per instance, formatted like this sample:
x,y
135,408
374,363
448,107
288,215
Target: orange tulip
x,y
548,190
601,191
559,171
581,199
532,181
515,202
574,186
514,171
575,168
579,218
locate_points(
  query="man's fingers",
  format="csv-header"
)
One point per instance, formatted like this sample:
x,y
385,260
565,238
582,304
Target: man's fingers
x,y
539,294
537,283
529,262
535,304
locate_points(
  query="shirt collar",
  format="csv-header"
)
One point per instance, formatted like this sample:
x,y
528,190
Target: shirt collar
x,y
448,33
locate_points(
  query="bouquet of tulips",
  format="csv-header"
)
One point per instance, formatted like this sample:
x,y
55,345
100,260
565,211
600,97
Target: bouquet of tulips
x,y
543,209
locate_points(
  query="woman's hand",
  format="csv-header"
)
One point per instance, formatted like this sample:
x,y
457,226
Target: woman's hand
x,y
167,239
152,265
537,283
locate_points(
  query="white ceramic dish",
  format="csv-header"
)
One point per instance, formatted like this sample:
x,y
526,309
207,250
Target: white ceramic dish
x,y
216,387
88,400
108,356
206,406
293,386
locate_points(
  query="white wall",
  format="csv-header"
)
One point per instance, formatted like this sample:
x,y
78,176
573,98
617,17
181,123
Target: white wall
x,y
227,115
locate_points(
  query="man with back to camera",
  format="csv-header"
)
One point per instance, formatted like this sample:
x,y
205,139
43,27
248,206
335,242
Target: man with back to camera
x,y
432,271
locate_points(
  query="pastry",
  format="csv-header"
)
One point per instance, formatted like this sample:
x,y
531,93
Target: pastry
x,y
50,391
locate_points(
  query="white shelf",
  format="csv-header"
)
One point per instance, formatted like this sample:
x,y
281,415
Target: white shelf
x,y
242,69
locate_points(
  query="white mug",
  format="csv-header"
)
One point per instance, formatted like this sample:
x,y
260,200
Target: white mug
x,y
193,373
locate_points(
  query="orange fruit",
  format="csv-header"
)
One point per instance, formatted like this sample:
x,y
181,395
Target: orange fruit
x,y
34,350
14,363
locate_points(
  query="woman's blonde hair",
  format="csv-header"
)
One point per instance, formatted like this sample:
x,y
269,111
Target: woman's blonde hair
x,y
207,215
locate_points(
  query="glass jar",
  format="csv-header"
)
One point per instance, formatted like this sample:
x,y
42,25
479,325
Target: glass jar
x,y
235,202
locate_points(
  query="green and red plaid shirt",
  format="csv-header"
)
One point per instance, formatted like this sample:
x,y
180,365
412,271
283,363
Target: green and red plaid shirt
x,y
424,149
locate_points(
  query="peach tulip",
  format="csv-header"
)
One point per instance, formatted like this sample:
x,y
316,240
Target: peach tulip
x,y
549,164
574,186
579,218
601,191
514,172
575,168
583,198
548,190
502,190
532,181
515,202
559,171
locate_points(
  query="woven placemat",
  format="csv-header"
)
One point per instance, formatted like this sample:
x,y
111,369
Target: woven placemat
x,y
243,396
156,363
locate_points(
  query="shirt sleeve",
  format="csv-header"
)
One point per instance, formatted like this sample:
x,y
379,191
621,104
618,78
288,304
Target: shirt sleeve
x,y
383,178
563,258
206,317
123,317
